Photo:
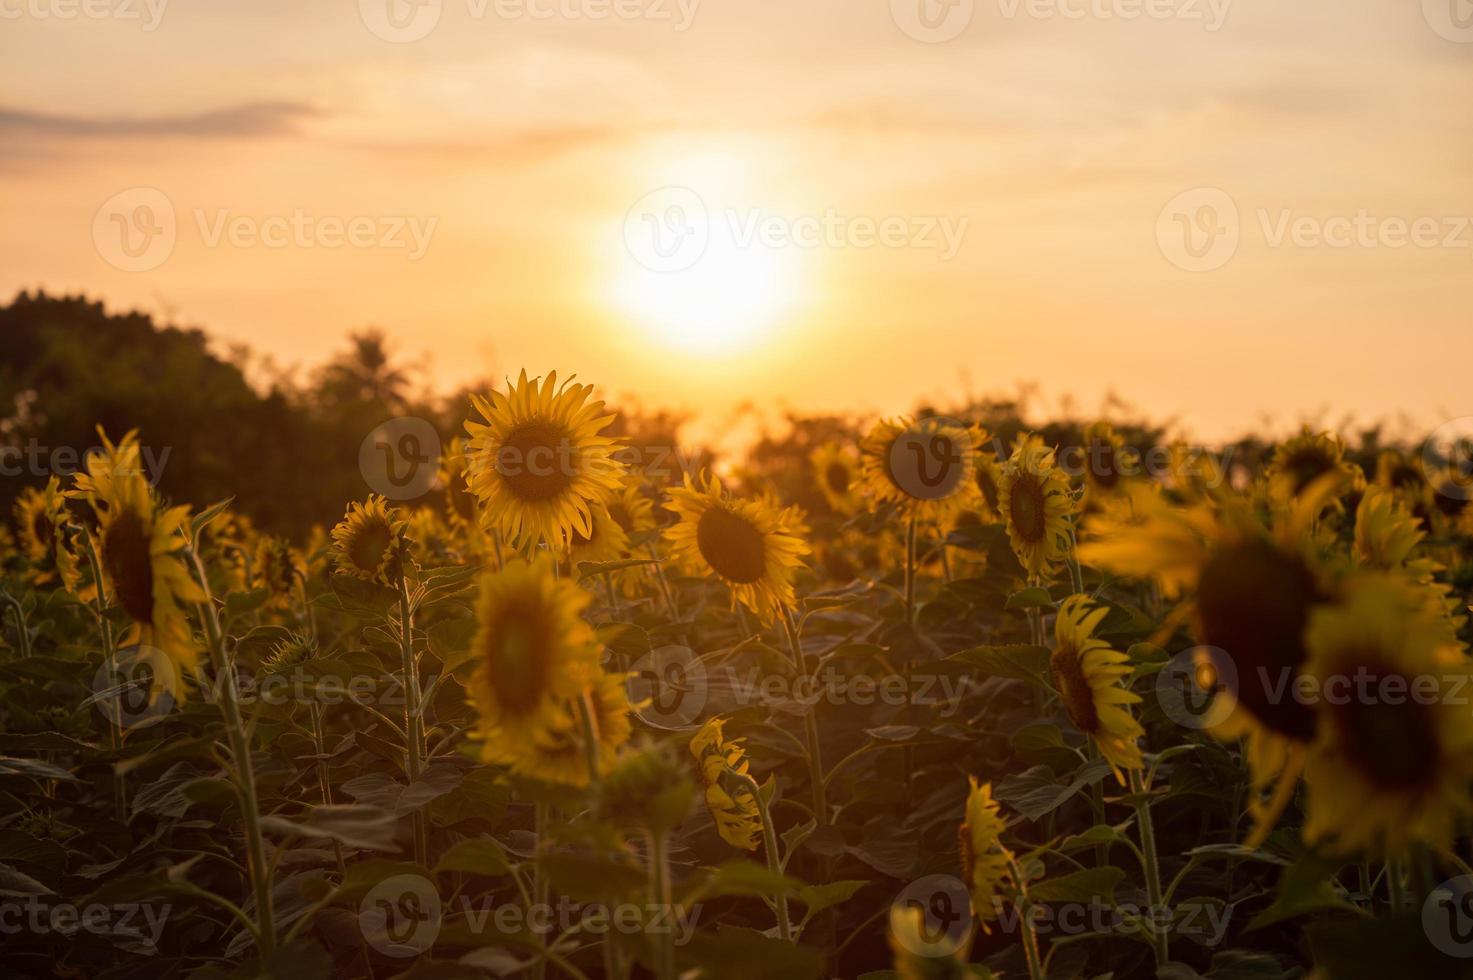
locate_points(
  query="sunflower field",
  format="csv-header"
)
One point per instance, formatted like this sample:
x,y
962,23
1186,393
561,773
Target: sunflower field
x,y
922,701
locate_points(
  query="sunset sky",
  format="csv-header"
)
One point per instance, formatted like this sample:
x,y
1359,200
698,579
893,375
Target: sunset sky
x,y
1066,155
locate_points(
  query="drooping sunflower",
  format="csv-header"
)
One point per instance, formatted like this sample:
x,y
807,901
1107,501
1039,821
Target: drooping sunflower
x,y
534,654
554,752
1253,591
539,463
735,812
370,542
1036,506
836,470
140,548
1299,462
1087,672
744,543
924,466
986,863
1392,760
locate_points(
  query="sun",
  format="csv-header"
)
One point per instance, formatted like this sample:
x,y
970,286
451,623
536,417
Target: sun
x,y
702,265
732,298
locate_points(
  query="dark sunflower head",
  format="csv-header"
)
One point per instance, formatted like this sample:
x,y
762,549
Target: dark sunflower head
x,y
127,556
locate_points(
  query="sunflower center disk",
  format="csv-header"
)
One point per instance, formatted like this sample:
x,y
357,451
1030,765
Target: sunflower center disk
x,y
368,547
1393,744
838,478
1068,673
125,551
517,656
1254,602
537,460
732,546
1027,507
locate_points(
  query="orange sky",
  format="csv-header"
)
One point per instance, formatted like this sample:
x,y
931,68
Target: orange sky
x,y
1317,153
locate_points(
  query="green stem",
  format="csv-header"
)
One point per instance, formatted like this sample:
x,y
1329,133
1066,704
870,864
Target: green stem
x,y
910,569
659,857
1025,920
110,655
414,737
769,843
240,749
810,726
20,623
1160,941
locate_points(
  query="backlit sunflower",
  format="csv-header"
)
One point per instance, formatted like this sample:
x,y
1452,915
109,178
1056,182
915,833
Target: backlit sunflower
x,y
632,508
1300,461
41,518
277,568
923,466
605,541
1087,673
735,812
554,752
1254,591
836,470
986,863
539,464
1397,471
460,503
140,549
369,542
745,543
1392,759
1036,506
534,654
1108,465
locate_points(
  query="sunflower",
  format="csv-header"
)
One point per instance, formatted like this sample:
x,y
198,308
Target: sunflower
x,y
139,547
745,543
1036,506
1397,471
534,654
41,518
1302,460
836,469
737,817
539,463
986,863
1087,673
277,567
1390,765
554,752
1108,465
460,502
370,542
605,541
293,651
632,508
987,477
920,465
1255,589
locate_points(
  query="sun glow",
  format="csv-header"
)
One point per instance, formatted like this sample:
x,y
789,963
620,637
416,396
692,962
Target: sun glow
x,y
695,269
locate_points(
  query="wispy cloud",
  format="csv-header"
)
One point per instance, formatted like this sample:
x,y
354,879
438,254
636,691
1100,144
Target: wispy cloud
x,y
232,122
